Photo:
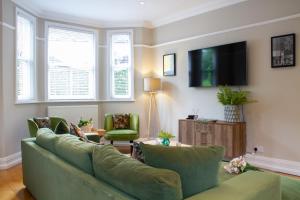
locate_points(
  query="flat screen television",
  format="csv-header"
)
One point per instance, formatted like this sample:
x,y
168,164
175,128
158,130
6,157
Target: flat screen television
x,y
219,65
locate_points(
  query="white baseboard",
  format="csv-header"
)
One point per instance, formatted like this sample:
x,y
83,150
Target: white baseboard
x,y
274,164
10,161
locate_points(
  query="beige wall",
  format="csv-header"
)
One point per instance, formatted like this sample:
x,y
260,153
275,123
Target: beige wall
x,y
272,122
247,12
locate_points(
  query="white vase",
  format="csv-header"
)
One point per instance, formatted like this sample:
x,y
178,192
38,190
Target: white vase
x,y
232,113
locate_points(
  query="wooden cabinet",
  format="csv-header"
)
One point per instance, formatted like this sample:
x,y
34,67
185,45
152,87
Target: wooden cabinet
x,y
230,135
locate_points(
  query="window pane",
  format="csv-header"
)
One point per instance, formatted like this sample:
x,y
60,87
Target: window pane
x,y
121,50
25,58
23,74
121,80
71,64
121,65
24,38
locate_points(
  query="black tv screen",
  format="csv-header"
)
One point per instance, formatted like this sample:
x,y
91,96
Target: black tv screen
x,y
219,65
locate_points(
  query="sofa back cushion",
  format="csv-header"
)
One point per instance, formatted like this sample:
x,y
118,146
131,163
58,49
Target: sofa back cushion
x,y
76,152
197,166
135,178
46,138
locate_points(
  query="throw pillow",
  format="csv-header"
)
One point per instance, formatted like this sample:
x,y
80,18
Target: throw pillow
x,y
42,122
133,177
121,121
197,166
62,128
75,130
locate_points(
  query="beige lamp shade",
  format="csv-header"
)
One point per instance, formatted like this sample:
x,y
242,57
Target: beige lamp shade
x,y
152,84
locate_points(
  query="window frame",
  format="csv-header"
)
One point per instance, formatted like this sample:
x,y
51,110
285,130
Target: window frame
x,y
109,34
33,87
49,24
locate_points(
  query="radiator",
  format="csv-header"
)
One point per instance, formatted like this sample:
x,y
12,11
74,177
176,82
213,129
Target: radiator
x,y
74,113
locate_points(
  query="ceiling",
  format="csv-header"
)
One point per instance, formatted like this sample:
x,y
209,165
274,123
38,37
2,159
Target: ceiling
x,y
121,13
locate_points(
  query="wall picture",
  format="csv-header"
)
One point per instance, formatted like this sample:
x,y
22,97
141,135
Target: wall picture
x,y
169,64
283,51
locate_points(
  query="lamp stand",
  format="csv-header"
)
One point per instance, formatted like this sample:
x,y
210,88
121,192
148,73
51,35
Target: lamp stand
x,y
151,102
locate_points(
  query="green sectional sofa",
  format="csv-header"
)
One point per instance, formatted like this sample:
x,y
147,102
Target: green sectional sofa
x,y
61,167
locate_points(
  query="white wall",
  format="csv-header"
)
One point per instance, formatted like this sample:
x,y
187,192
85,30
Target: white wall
x,y
272,122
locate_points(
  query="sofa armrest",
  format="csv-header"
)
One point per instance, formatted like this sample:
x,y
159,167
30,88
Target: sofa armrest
x,y
33,127
108,122
134,122
252,185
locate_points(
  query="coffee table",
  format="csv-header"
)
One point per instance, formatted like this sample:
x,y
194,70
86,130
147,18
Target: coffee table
x,y
96,133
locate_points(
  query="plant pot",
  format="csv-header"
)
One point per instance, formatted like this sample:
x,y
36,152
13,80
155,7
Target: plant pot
x,y
232,113
87,128
165,141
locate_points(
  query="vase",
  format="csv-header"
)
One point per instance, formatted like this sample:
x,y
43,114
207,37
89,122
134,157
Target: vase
x,y
232,113
165,142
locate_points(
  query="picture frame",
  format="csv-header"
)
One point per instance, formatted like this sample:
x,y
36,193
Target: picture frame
x,y
169,64
283,51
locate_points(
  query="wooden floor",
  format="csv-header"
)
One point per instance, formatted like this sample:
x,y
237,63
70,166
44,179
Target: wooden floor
x,y
11,185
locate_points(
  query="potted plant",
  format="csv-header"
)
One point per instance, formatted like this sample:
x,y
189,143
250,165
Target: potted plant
x,y
85,125
233,100
165,136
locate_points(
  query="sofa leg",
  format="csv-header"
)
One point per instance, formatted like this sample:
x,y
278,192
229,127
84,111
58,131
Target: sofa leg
x,y
112,142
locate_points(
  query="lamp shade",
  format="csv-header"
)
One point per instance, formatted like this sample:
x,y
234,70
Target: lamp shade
x,y
152,84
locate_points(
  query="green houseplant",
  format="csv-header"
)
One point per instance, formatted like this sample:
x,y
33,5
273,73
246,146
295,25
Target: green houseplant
x,y
85,125
232,101
165,136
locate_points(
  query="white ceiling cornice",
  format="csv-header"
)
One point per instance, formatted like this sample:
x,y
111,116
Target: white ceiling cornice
x,y
210,6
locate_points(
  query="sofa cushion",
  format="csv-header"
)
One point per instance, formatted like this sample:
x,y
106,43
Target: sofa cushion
x,y
75,130
46,139
75,152
62,128
135,178
42,122
121,121
121,134
197,166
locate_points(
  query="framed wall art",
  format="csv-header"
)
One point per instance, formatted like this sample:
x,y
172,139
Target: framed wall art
x,y
169,64
283,51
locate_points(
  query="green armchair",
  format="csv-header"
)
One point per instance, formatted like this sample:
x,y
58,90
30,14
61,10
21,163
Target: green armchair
x,y
57,125
121,134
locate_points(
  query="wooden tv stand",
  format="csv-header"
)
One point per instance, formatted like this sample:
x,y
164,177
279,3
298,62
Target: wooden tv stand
x,y
230,135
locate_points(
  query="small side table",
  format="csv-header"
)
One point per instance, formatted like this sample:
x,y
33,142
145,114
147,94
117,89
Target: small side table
x,y
96,133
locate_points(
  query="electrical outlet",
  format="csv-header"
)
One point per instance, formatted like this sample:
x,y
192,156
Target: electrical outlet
x,y
260,149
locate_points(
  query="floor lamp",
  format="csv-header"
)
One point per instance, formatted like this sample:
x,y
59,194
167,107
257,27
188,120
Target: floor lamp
x,y
151,85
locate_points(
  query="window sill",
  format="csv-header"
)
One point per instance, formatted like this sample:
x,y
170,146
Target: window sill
x,y
73,101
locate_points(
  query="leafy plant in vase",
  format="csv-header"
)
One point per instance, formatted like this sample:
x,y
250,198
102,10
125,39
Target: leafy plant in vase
x,y
85,125
165,136
232,101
